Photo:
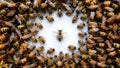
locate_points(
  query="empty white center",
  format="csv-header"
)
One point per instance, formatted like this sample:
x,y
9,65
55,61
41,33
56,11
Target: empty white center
x,y
49,32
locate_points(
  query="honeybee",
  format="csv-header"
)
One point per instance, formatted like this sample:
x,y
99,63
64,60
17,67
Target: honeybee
x,y
2,37
39,66
34,31
102,26
28,3
66,64
25,37
115,27
39,25
23,6
50,50
79,7
31,48
65,6
75,18
91,52
11,13
81,42
4,3
3,11
110,14
55,59
67,57
26,66
29,24
100,64
51,4
84,10
81,50
87,1
82,34
100,58
107,3
59,12
72,47
40,49
31,9
92,15
59,64
117,60
84,56
60,35
23,60
8,23
49,61
11,51
50,18
25,31
35,4
90,46
109,9
4,29
73,65
115,6
32,55
2,57
31,15
92,62
93,30
75,56
84,64
3,64
42,39
98,14
23,45
92,6
19,18
111,35
43,5
69,12
33,39
90,41
98,39
116,45
101,45
80,25
20,27
2,46
40,15
45,57
61,55
103,34
112,54
92,24
50,10
84,16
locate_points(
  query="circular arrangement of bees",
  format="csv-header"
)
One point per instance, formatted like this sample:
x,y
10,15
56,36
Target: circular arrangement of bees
x,y
102,44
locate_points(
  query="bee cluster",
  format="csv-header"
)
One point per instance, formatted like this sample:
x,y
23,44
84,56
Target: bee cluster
x,y
102,44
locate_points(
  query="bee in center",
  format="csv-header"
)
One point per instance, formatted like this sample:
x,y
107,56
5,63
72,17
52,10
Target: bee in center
x,y
60,35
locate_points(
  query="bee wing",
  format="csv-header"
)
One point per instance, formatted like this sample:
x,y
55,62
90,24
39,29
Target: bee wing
x,y
54,32
51,4
19,33
6,43
11,37
18,19
64,32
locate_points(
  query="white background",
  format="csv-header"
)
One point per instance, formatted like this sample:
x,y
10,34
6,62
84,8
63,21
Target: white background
x,y
49,32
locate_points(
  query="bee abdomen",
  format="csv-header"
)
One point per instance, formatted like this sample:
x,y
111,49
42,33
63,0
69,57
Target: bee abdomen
x,y
4,29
